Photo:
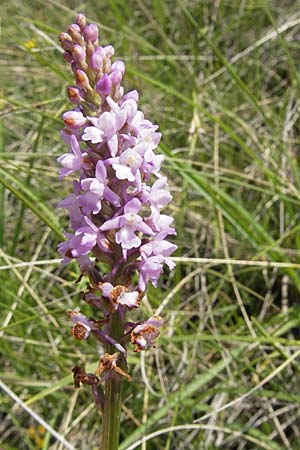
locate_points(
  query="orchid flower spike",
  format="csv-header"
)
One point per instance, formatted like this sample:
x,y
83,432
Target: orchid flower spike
x,y
118,196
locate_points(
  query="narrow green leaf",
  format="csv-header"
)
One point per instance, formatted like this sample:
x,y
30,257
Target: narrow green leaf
x,y
31,201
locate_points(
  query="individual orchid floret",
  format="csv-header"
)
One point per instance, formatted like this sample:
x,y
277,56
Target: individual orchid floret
x,y
84,240
105,128
75,33
66,41
128,224
104,85
118,65
109,365
75,95
71,203
96,190
127,165
150,269
157,196
116,77
144,335
159,247
74,120
82,80
81,21
119,295
90,33
82,327
79,55
71,161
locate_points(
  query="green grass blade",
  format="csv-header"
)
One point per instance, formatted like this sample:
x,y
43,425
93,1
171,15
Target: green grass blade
x,y
31,201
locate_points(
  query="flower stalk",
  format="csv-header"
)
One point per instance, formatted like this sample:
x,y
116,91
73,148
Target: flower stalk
x,y
115,214
113,396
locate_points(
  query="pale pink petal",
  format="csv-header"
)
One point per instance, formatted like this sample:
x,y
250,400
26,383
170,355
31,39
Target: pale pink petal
x,y
129,299
133,206
113,144
111,197
101,171
110,224
123,172
92,134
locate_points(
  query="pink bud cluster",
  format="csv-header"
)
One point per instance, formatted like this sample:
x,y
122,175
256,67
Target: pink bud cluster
x,y
115,209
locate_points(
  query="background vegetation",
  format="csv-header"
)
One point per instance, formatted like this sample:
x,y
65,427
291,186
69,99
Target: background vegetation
x,y
222,80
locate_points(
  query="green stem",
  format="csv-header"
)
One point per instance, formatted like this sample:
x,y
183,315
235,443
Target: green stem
x,y
113,396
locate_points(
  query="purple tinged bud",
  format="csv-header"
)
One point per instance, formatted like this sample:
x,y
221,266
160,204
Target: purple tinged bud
x,y
64,36
116,77
74,119
119,65
74,66
90,48
82,80
81,20
109,51
74,95
79,53
132,95
104,85
96,61
106,65
68,57
101,52
65,41
75,33
73,28
90,32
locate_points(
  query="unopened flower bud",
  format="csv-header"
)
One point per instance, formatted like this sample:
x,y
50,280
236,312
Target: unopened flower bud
x,y
74,119
131,95
74,66
68,57
90,48
104,85
82,80
90,32
81,20
115,77
109,51
118,65
75,33
102,52
65,41
79,55
96,61
73,28
106,65
74,95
